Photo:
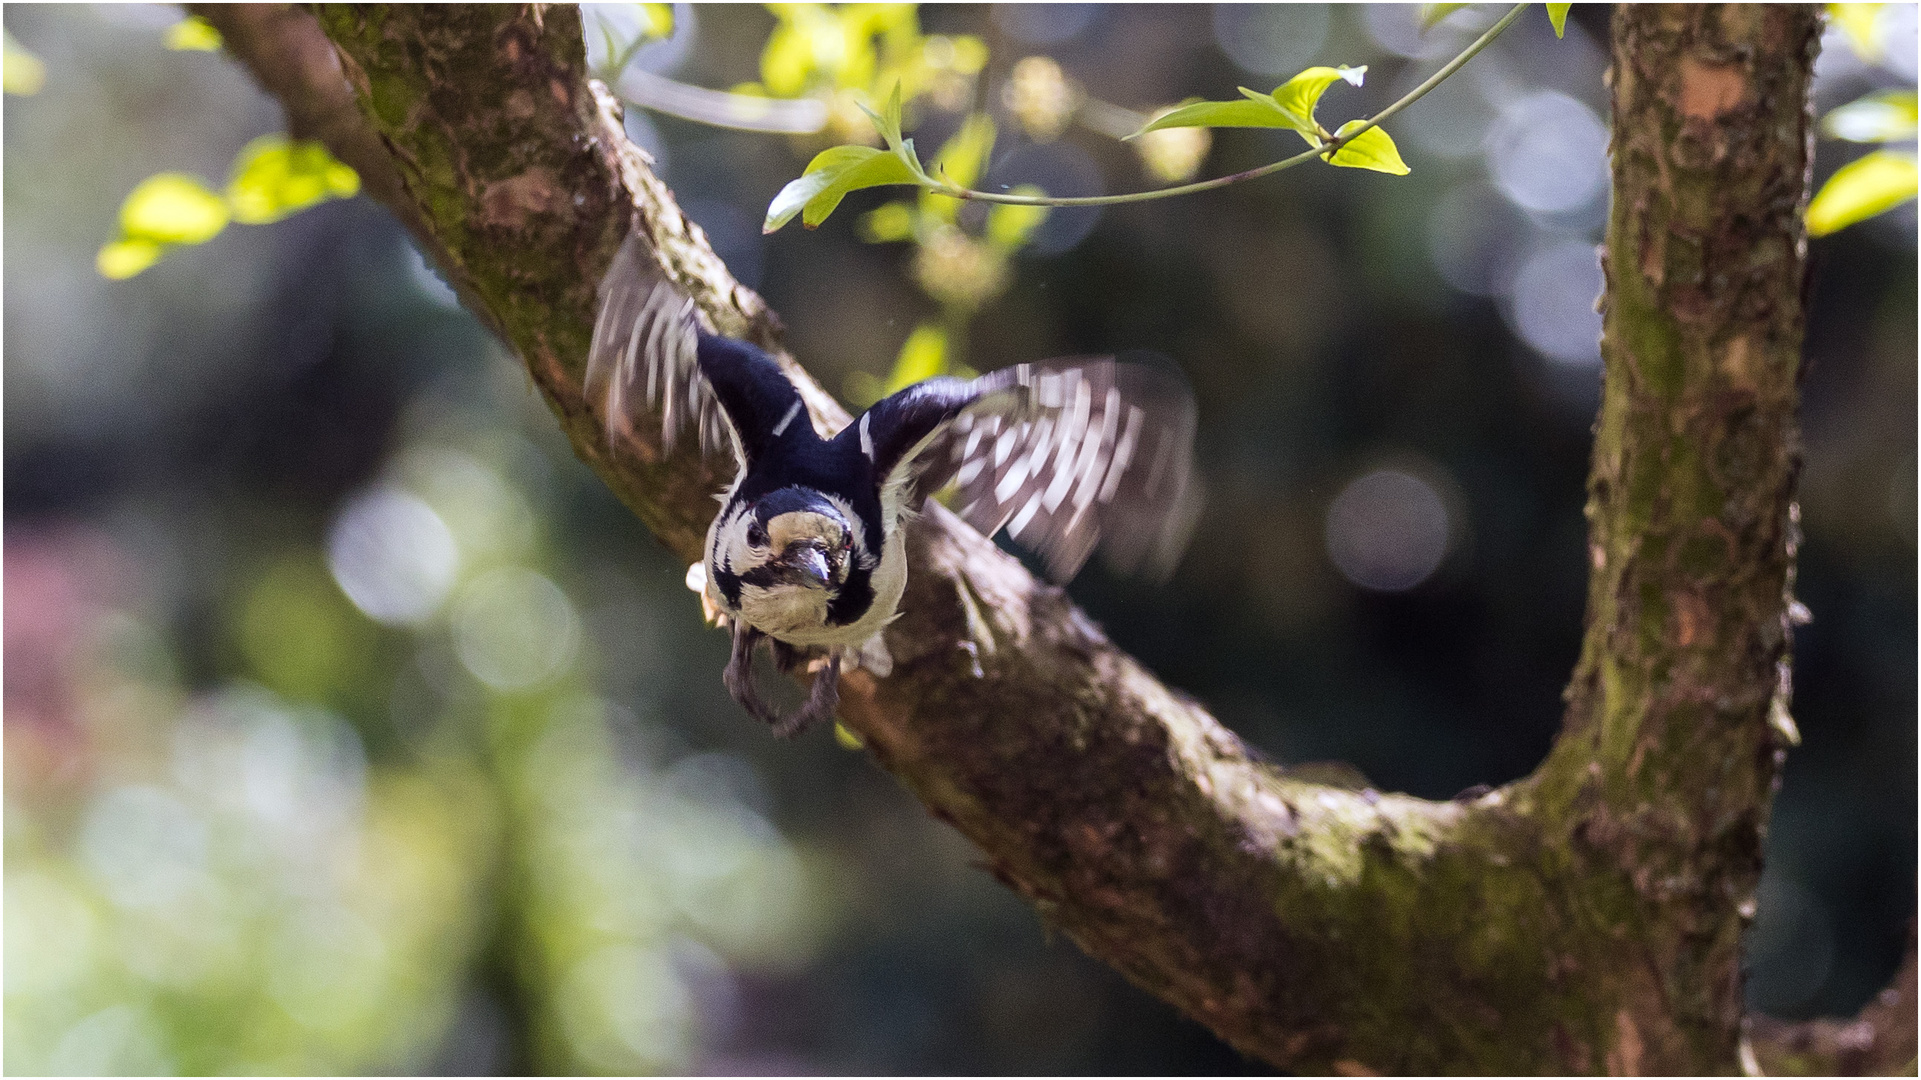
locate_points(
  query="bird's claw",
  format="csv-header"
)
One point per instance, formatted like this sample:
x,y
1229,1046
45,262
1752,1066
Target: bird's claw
x,y
739,678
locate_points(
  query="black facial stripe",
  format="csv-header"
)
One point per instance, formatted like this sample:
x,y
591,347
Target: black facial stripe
x,y
855,597
765,577
729,583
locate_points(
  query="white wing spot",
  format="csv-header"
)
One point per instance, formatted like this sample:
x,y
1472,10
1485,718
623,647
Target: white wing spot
x,y
792,411
866,440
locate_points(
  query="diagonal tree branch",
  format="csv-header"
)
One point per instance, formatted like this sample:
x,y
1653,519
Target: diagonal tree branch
x,y
1584,919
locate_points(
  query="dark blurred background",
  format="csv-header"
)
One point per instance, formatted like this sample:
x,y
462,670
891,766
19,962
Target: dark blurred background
x,y
352,725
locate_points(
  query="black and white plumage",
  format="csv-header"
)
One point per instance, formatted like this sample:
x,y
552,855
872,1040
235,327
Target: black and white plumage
x,y
808,548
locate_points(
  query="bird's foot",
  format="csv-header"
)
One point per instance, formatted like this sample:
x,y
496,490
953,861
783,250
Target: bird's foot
x,y
739,679
821,702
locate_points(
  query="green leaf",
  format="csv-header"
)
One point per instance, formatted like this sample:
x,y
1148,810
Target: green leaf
x,y
892,117
1557,14
1258,111
24,73
1434,13
960,162
887,121
123,259
1298,96
1861,189
833,173
820,172
1882,117
1010,226
1371,149
273,176
192,34
922,356
172,208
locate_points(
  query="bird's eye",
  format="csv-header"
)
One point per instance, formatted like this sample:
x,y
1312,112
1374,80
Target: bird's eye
x,y
756,535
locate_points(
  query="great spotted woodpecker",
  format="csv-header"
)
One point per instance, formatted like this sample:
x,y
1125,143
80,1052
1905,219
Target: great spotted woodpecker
x,y
808,548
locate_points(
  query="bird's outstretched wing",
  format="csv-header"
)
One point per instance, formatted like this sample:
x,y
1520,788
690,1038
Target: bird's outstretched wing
x,y
1067,454
649,353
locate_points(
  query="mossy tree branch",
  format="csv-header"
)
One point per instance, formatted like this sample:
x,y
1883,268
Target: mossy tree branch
x,y
1584,919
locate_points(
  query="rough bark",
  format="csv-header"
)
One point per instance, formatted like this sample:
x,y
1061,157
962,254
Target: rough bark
x,y
1584,919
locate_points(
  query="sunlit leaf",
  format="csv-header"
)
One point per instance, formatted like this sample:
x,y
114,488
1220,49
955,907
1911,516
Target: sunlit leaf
x,y
1010,226
173,208
887,121
1434,13
274,176
1258,111
1557,14
1882,117
192,34
819,173
887,223
24,72
922,356
1298,96
829,177
960,162
871,173
1861,24
1861,189
124,258
1371,149
890,118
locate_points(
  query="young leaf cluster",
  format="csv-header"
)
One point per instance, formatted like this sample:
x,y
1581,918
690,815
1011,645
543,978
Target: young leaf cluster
x,y
1292,106
1359,143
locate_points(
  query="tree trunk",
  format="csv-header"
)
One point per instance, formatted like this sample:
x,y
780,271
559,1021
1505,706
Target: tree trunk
x,y
1585,919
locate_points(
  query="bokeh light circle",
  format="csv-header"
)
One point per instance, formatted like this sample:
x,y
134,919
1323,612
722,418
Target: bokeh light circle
x,y
514,629
1552,303
1548,152
1387,531
1270,39
392,556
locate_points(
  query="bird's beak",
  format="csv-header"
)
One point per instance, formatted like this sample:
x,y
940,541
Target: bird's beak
x,y
810,562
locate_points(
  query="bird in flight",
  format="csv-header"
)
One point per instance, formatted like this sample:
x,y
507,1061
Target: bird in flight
x,y
808,551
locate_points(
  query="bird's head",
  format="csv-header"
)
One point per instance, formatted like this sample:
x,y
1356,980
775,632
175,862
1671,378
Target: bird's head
x,y
796,537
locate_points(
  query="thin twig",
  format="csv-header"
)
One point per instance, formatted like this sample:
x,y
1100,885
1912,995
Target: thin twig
x,y
1324,150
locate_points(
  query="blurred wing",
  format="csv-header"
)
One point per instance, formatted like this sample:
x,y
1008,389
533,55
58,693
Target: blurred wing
x,y
1073,454
645,355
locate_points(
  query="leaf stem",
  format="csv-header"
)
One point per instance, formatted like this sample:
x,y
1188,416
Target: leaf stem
x,y
1327,148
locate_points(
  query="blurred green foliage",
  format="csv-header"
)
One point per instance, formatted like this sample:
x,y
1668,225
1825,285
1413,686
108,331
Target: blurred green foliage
x,y
24,73
193,34
1881,179
273,176
1861,189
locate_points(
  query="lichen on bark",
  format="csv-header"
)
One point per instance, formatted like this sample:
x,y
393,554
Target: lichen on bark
x,y
1584,919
